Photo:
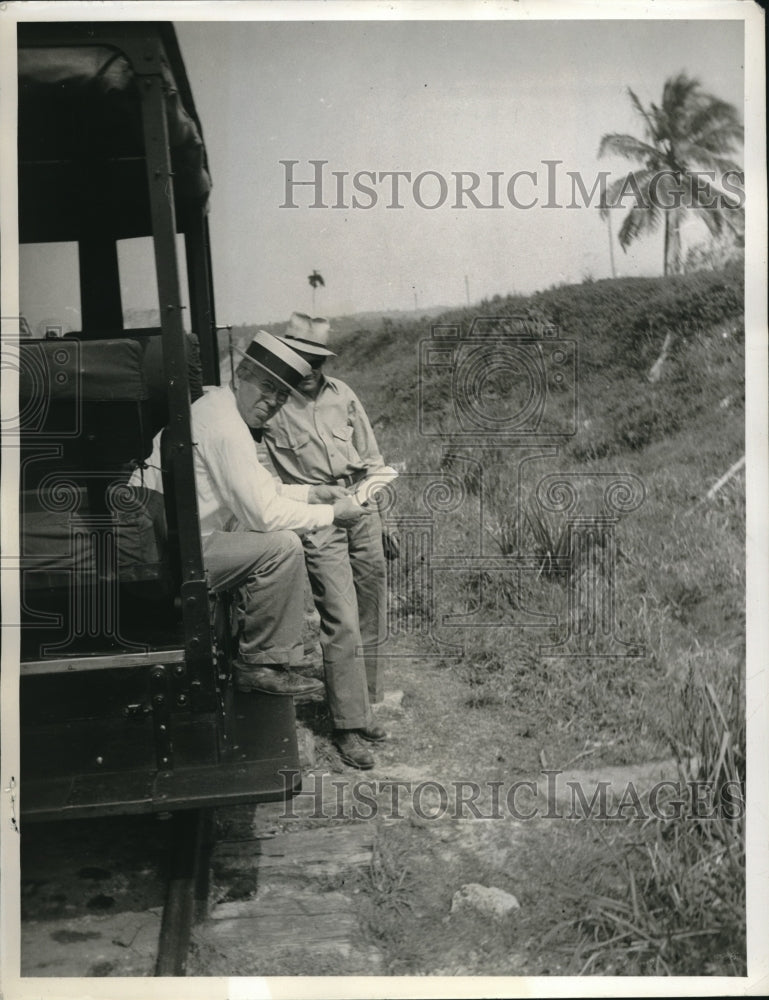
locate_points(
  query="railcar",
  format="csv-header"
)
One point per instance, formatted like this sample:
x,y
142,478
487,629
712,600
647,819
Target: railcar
x,y
126,699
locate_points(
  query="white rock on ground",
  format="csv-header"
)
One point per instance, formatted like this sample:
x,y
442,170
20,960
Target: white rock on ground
x,y
488,900
392,702
306,745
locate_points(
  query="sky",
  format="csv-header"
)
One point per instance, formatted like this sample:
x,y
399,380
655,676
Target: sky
x,y
427,97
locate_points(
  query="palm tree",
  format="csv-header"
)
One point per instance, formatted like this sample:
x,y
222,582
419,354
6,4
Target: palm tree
x,y
691,130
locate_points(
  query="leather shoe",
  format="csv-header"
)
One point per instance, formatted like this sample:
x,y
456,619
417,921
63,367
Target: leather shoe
x,y
351,751
373,733
272,680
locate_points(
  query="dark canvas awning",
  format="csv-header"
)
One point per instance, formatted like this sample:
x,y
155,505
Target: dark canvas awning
x,y
81,142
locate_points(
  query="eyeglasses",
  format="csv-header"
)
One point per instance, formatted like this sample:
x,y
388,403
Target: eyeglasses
x,y
268,387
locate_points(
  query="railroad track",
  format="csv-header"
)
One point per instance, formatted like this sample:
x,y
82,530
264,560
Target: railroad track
x,y
126,896
187,891
285,892
116,896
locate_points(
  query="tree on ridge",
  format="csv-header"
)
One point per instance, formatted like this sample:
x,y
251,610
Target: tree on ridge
x,y
689,132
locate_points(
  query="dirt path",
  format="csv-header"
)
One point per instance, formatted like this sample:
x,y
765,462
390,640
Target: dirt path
x,y
363,873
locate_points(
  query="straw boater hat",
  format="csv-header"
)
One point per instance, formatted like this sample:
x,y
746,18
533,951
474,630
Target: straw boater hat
x,y
277,358
310,336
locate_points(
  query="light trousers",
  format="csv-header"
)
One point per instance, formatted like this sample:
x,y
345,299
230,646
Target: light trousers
x,y
348,576
268,570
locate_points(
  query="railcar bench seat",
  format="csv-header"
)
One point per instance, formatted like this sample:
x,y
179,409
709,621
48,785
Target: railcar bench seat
x,y
86,415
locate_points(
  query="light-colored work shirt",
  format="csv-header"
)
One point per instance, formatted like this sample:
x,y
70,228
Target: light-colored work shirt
x,y
323,439
233,487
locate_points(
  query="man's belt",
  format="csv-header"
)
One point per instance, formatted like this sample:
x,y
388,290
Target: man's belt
x,y
350,480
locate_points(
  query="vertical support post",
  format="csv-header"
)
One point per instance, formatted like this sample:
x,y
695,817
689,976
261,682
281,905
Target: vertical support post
x,y
196,243
100,302
178,438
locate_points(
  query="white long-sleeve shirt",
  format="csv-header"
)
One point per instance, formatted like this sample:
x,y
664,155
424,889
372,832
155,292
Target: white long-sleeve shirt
x,y
231,483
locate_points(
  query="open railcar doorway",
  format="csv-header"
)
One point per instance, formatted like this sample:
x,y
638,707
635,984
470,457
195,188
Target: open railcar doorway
x,y
127,704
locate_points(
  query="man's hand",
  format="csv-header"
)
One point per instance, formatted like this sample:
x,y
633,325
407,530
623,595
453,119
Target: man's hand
x,y
347,512
376,496
325,494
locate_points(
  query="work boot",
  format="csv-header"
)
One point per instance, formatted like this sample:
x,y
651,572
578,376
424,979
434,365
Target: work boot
x,y
274,680
351,751
373,733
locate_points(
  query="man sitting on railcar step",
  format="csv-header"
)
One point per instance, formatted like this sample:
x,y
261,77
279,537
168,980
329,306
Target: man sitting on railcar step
x,y
250,523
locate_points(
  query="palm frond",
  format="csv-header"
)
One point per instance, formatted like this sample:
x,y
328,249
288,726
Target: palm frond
x,y
635,184
637,222
677,94
651,127
709,196
626,146
611,198
700,158
716,219
717,117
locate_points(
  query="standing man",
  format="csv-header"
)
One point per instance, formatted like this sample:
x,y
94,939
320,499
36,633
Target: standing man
x,y
322,437
249,522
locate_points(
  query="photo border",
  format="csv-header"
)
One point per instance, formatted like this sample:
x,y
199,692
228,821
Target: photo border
x,y
757,489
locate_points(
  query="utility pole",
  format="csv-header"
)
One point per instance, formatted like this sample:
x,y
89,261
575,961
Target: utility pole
x,y
467,290
611,244
315,279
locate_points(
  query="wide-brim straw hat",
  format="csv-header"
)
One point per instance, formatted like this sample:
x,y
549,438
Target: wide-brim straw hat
x,y
308,335
275,357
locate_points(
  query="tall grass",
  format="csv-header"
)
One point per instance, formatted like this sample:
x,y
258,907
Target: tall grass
x,y
681,906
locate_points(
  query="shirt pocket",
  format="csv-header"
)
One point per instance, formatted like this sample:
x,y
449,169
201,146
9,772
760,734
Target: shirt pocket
x,y
289,439
342,443
342,434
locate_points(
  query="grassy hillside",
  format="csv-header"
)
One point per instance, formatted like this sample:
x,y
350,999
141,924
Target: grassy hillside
x,y
677,579
619,327
677,435
660,895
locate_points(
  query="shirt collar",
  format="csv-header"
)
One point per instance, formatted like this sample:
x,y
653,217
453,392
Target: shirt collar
x,y
326,382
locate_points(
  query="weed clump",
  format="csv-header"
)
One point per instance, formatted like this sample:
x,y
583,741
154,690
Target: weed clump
x,y
677,906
